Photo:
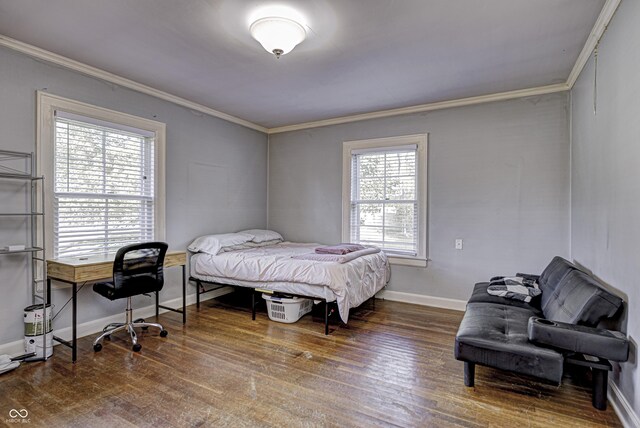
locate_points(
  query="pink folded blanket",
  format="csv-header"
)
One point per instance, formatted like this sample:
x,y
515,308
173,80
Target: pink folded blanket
x,y
337,258
340,249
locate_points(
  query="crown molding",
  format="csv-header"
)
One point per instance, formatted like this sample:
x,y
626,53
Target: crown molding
x,y
121,81
606,14
600,26
500,96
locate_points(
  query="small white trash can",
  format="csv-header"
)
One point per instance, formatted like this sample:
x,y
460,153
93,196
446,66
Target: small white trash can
x,y
35,327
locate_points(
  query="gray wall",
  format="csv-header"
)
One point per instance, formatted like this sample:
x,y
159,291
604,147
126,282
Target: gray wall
x,y
216,176
605,179
498,178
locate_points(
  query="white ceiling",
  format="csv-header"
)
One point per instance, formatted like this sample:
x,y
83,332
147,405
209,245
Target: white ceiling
x,y
360,56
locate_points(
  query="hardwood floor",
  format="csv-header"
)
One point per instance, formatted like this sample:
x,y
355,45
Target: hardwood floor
x,y
392,366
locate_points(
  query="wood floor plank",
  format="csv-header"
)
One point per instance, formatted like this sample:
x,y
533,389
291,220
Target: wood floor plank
x,y
392,366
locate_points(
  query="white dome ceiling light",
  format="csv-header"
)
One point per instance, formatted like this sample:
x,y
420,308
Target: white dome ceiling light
x,y
277,35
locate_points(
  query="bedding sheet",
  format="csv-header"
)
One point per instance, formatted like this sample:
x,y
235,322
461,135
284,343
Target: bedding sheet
x,y
317,291
352,283
339,258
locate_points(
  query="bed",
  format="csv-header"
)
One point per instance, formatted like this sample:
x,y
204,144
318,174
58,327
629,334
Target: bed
x,y
273,264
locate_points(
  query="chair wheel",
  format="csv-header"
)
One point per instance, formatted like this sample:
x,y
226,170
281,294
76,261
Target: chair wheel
x,y
145,328
97,347
164,333
137,347
107,337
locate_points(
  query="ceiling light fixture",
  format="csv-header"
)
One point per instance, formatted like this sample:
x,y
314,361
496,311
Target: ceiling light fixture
x,y
277,35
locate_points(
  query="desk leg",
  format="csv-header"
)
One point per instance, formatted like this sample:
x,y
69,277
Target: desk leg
x,y
74,322
184,294
184,298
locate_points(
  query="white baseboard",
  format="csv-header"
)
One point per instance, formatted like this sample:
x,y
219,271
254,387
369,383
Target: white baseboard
x,y
95,326
421,299
621,406
12,348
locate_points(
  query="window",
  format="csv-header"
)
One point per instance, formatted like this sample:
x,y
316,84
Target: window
x,y
104,170
384,196
102,188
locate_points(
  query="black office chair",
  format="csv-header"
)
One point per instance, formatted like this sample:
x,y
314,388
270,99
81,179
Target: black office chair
x,y
137,269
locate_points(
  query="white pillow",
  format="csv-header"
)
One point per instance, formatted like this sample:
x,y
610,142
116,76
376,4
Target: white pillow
x,y
212,244
261,235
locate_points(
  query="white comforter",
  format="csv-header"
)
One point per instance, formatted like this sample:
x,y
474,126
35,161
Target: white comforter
x,y
352,283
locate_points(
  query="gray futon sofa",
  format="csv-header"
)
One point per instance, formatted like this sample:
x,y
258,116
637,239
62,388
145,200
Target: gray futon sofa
x,y
557,328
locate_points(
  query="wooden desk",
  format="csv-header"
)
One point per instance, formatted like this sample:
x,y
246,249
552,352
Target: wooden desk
x,y
74,270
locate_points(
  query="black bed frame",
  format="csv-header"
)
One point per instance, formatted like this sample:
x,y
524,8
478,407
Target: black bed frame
x,y
200,289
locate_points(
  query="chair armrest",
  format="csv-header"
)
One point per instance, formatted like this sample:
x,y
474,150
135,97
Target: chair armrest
x,y
612,345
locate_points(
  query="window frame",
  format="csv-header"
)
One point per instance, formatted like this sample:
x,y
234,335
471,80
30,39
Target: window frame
x,y
421,140
47,105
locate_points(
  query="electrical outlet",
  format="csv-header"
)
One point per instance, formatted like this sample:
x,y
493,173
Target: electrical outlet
x,y
458,244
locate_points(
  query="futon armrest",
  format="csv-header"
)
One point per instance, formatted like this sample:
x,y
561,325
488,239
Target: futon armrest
x,y
612,345
528,276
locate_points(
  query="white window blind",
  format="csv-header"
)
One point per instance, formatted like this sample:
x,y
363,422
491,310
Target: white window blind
x,y
103,187
384,199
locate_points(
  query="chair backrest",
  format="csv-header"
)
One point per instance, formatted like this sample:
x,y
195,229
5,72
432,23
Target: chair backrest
x,y
139,260
551,277
581,299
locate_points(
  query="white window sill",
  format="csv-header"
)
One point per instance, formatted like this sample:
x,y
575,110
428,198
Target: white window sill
x,y
408,261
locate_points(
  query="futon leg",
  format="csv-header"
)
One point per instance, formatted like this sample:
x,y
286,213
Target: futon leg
x,y
599,394
469,373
